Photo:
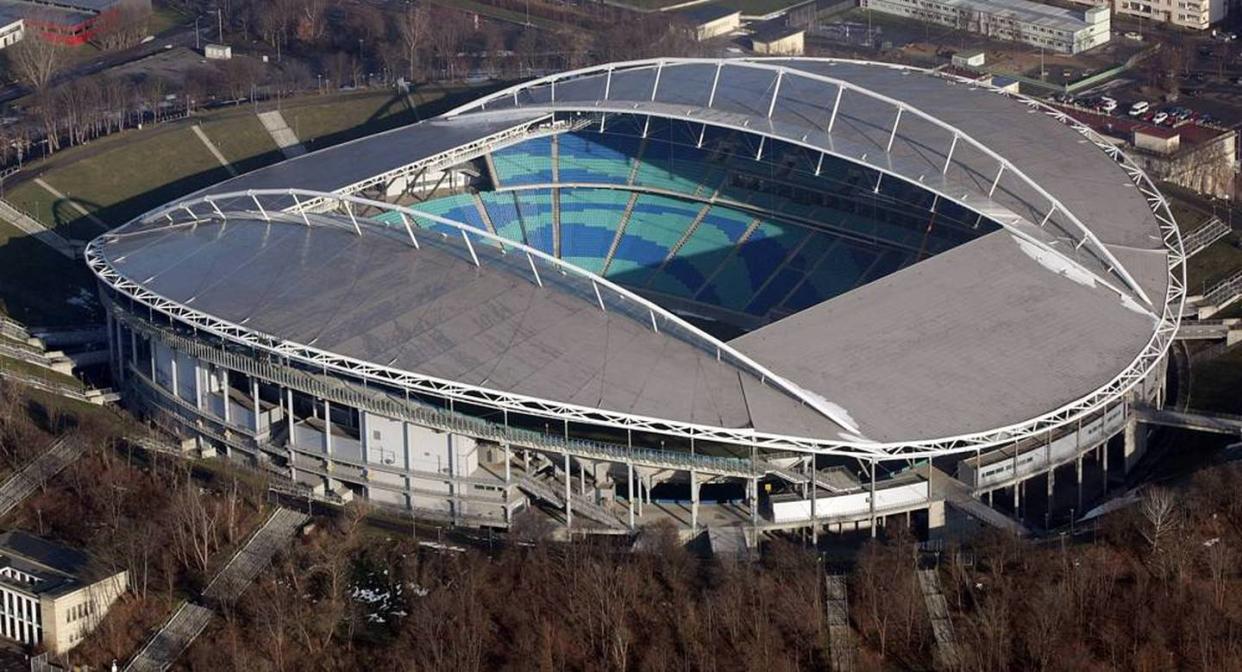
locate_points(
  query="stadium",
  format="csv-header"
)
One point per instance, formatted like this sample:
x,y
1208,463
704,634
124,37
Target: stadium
x,y
744,295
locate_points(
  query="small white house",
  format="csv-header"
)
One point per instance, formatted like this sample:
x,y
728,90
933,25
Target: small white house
x,y
12,29
218,52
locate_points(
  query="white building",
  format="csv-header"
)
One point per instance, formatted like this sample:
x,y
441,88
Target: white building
x,y
51,594
710,21
12,28
1194,14
1054,28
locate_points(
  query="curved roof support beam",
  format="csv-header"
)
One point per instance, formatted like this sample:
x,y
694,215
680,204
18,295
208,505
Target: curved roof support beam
x,y
1098,246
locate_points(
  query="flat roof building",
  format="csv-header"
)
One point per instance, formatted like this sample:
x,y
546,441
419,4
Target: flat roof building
x,y
52,594
1055,28
773,38
712,20
1196,14
68,22
12,27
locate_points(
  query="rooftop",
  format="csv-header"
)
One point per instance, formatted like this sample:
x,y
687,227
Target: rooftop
x,y
57,568
1025,11
492,326
987,335
701,14
775,29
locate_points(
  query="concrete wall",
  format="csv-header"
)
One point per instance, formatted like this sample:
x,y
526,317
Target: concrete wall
x,y
1206,168
60,633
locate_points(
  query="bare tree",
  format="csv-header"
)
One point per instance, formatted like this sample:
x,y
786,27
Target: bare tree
x,y
412,29
1159,510
122,27
35,60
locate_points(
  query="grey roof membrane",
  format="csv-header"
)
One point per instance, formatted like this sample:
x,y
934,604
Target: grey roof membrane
x,y
431,311
978,337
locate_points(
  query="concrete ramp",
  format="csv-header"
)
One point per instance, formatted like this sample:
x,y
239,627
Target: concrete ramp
x,y
33,228
946,655
183,628
960,496
283,136
841,645
1218,423
242,569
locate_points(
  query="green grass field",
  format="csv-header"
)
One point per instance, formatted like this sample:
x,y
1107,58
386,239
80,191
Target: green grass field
x,y
243,141
164,18
119,178
39,286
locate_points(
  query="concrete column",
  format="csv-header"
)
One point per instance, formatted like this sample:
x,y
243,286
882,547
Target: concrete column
x,y
754,501
198,385
935,516
293,471
694,503
327,429
172,368
638,486
1078,484
254,403
569,509
508,485
1022,487
223,379
133,347
114,345
1135,443
1104,464
582,478
871,504
1017,500
151,351
629,491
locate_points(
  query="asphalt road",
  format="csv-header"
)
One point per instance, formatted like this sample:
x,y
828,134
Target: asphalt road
x,y
179,37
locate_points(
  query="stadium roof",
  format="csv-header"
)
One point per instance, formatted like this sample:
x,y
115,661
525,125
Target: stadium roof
x,y
431,310
1062,310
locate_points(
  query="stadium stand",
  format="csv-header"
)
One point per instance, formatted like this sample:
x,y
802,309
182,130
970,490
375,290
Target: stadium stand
x,y
527,163
822,235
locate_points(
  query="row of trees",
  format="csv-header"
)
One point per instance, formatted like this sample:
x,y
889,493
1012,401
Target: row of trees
x,y
418,43
1158,589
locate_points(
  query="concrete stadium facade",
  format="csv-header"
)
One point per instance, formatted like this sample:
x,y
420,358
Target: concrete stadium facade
x,y
607,402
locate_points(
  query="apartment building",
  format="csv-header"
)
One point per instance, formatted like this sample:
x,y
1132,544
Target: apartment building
x,y
1054,28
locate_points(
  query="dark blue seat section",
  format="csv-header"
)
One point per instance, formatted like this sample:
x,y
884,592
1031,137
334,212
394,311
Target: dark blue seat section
x,y
710,244
589,222
655,225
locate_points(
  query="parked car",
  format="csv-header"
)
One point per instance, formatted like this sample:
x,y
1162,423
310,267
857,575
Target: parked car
x,y
1134,36
1159,118
1139,108
1107,104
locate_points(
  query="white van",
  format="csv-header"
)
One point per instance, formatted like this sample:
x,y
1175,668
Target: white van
x,y
1138,108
